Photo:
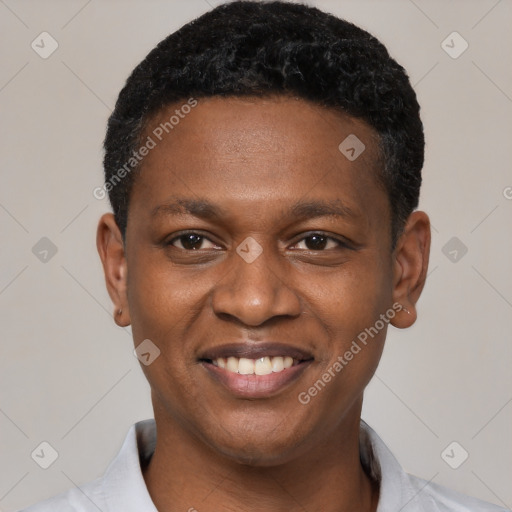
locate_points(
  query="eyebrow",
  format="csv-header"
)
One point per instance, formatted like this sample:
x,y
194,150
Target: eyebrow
x,y
204,209
197,207
312,209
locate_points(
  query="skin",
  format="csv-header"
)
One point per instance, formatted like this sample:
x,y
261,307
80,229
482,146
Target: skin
x,y
255,159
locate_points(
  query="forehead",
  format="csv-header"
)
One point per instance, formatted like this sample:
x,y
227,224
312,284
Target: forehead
x,y
262,152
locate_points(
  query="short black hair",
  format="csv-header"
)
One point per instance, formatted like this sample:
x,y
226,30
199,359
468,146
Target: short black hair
x,y
254,48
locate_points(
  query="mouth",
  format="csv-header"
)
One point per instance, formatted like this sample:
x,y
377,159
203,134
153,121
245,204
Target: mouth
x,y
261,366
256,371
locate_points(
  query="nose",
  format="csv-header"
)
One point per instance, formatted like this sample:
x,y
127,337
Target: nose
x,y
255,291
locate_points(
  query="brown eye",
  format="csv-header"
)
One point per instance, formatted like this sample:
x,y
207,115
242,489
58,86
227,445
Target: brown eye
x,y
191,242
318,242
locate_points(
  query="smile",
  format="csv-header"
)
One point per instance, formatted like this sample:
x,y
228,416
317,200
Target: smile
x,y
255,370
261,366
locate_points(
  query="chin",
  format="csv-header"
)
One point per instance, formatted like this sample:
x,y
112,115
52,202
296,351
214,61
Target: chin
x,y
260,447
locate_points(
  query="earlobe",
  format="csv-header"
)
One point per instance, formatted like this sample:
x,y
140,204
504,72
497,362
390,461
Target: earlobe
x,y
410,264
110,245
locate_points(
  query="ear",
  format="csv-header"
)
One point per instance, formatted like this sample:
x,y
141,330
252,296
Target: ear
x,y
109,242
410,265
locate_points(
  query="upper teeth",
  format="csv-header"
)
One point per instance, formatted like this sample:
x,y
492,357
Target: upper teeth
x,y
261,366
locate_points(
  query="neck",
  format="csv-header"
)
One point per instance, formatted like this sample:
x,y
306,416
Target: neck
x,y
186,475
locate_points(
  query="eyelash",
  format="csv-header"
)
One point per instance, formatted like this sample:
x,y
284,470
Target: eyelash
x,y
341,244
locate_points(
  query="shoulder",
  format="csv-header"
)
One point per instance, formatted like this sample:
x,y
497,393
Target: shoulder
x,y
437,498
87,498
121,487
400,491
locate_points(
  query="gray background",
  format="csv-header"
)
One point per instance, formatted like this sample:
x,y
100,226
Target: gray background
x,y
68,375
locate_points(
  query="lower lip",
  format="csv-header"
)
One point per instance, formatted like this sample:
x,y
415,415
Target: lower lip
x,y
256,386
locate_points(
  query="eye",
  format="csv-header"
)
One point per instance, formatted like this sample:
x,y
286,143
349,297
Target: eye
x,y
319,242
192,242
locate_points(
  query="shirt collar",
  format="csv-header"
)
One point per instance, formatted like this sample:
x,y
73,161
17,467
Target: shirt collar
x,y
396,492
125,489
123,484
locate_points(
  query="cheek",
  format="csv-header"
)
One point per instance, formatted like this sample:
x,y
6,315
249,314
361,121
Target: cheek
x,y
168,305
349,306
356,334
352,298
164,302
162,298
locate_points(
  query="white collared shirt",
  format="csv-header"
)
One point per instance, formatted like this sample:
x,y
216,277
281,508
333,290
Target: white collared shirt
x,y
122,487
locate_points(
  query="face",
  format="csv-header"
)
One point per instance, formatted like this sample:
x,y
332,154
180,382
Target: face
x,y
256,252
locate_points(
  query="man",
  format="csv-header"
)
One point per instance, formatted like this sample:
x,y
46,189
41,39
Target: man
x,y
264,166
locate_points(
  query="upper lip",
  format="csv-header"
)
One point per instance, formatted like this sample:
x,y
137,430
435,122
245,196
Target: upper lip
x,y
255,351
